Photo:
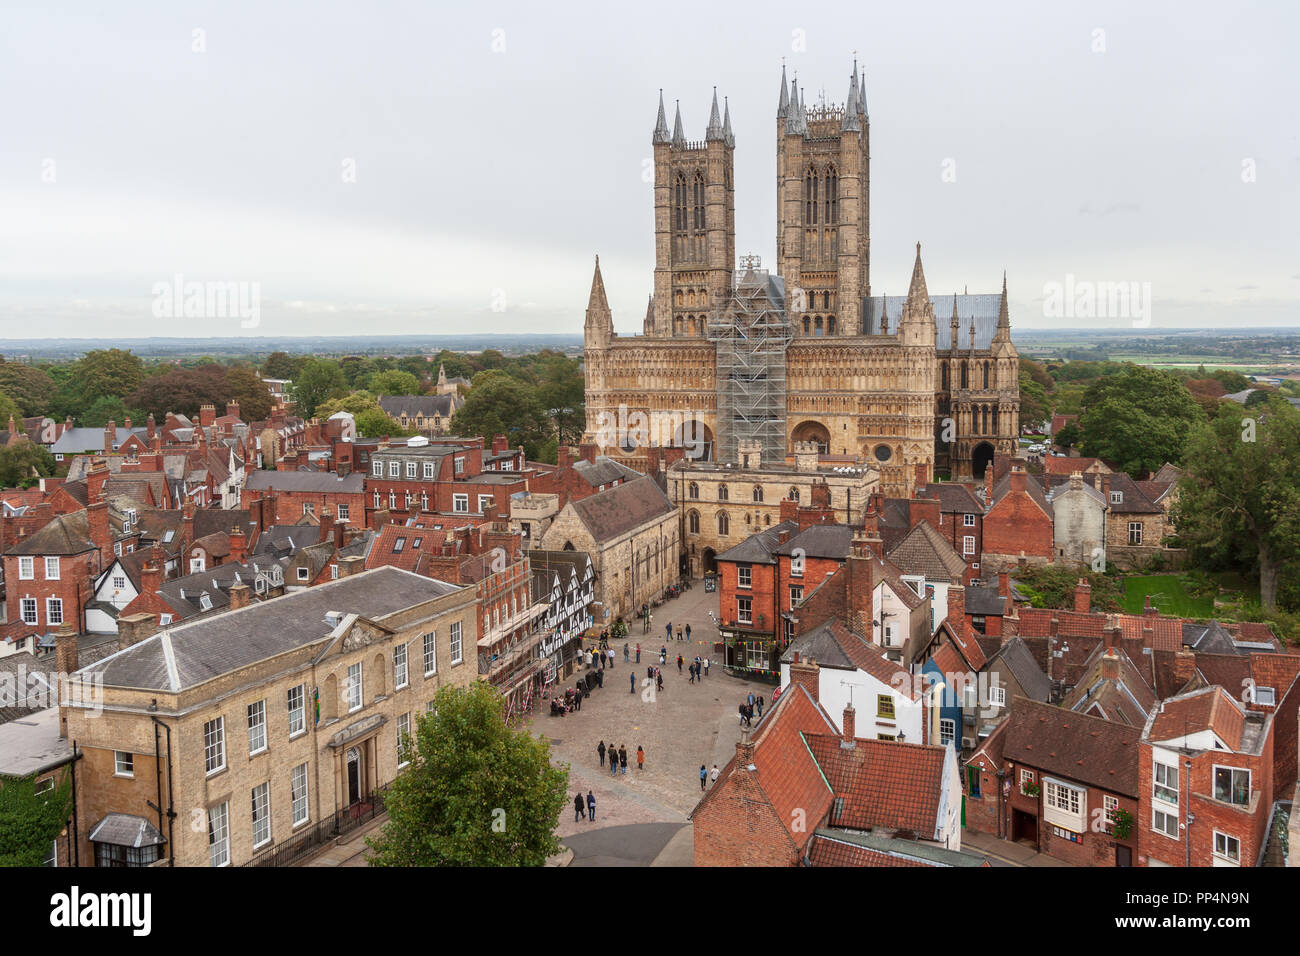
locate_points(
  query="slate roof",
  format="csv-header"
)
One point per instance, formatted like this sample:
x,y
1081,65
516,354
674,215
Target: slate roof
x,y
182,657
123,829
1074,746
1015,656
981,307
603,470
924,551
954,497
31,744
315,482
1127,699
611,513
833,645
985,600
78,440
413,406
832,541
760,547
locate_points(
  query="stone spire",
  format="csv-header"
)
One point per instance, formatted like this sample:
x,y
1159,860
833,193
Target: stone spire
x,y
850,122
916,292
796,121
715,121
661,125
884,315
1003,334
727,134
679,138
783,107
916,324
649,323
956,325
599,327
862,96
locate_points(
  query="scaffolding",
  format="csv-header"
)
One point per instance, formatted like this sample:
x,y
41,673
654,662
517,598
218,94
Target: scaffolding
x,y
750,333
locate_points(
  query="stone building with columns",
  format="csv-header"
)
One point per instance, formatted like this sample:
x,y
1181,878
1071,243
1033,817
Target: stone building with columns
x,y
913,384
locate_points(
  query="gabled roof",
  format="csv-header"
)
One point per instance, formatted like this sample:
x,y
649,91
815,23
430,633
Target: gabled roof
x,y
832,541
1211,708
759,548
954,497
1126,699
414,406
882,783
1077,747
316,482
985,601
603,470
1032,488
1015,656
832,644
614,512
924,551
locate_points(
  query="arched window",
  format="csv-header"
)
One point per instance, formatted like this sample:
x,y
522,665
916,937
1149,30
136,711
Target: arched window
x,y
830,324
693,522
723,494
995,420
985,423
963,375
943,376
693,490
986,374
758,493
724,524
810,197
679,203
794,494
819,326
697,197
767,520
806,325
832,195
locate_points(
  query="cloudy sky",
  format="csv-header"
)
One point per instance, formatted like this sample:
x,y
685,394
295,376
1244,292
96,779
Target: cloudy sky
x,y
418,167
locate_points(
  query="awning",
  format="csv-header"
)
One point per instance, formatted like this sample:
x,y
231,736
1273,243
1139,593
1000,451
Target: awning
x,y
122,829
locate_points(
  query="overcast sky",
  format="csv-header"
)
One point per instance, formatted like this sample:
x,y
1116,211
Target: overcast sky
x,y
418,167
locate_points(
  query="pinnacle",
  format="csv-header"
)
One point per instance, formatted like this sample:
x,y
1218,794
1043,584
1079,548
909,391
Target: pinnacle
x,y
597,304
679,138
661,125
916,292
715,121
783,106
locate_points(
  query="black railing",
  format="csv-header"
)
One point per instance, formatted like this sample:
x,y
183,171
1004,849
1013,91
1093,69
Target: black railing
x,y
312,839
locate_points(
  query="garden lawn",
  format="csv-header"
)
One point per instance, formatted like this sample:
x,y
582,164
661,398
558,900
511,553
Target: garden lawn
x,y
1167,594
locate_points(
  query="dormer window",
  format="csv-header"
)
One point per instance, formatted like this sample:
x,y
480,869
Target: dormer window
x,y
1117,497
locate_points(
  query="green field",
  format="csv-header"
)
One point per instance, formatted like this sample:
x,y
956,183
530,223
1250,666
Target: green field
x,y
1168,594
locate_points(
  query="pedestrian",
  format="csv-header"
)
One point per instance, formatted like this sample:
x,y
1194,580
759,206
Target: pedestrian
x,y
668,628
750,699
749,716
679,663
679,633
611,658
591,808
577,698
600,678
713,774
648,619
649,672
579,808
742,713
640,758
688,632
760,706
659,679
625,657
613,761
622,759
632,680
704,774
600,749
638,652
706,667
692,670
600,657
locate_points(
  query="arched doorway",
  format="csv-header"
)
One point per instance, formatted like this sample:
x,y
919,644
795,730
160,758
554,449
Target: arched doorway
x,y
981,457
355,781
813,432
708,560
696,437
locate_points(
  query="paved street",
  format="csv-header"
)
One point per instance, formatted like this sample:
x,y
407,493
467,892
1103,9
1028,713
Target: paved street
x,y
680,728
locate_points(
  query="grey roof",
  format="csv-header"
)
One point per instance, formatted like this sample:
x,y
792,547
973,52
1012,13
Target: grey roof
x,y
123,829
759,548
615,511
1017,657
1208,638
925,853
395,406
986,601
982,307
820,645
318,482
924,551
191,654
31,744
821,541
77,440
603,471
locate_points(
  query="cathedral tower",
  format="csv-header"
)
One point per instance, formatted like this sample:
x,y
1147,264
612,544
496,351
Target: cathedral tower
x,y
695,223
823,209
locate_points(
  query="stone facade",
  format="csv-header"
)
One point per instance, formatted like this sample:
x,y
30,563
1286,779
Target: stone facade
x,y
872,378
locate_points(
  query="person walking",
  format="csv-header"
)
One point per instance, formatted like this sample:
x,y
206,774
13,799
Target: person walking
x,y
668,629
600,657
579,808
625,656
688,632
648,619
638,652
760,706
742,713
613,761
679,663
622,759
704,775
679,633
750,699
706,667
640,758
692,670
632,681
659,679
600,749
591,808
713,774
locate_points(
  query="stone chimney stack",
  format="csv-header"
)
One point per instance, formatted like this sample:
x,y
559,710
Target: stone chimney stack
x,y
238,596
1083,596
65,662
805,456
352,564
110,436
134,628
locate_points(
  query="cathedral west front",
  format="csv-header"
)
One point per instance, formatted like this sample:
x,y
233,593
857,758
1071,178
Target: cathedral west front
x,y
917,386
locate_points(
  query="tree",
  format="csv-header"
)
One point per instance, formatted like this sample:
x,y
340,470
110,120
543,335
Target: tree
x,y
1239,497
30,387
1033,401
1138,419
107,408
394,382
9,408
1067,436
31,821
501,405
23,462
245,386
113,372
320,379
371,420
1231,381
282,365
476,792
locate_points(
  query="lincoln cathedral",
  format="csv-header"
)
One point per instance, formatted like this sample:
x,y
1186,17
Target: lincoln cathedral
x,y
916,385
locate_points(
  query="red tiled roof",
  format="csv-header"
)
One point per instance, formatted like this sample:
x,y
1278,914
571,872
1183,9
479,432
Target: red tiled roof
x,y
1209,709
1066,466
883,783
1076,746
871,659
948,659
825,852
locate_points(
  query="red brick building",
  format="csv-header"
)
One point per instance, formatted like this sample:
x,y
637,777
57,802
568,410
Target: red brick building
x,y
1018,523
299,493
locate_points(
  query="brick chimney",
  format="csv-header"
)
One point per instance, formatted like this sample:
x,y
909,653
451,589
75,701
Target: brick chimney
x,y
789,509
861,596
1184,666
744,750
110,436
101,535
1148,635
654,460
151,429
1018,476
232,409
207,415
806,674
988,483
1082,596
563,458
187,525
819,495
1004,585
923,509
1110,665
98,474
587,451
238,596
957,611
921,474
238,545
499,444
1053,629
327,521
134,628
782,536
1148,609
65,648
850,725
151,575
